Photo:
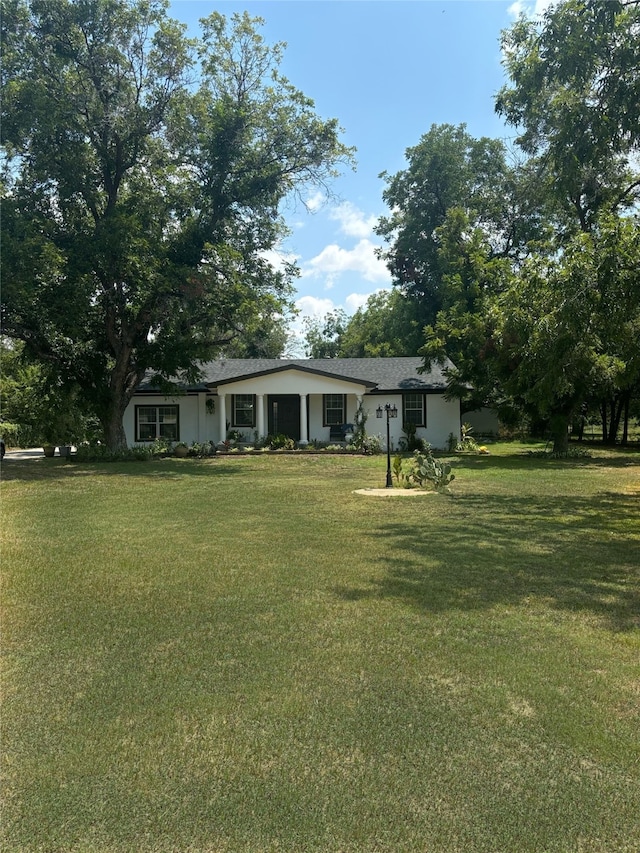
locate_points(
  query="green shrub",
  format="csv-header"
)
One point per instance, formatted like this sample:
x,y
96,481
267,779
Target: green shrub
x,y
96,452
9,432
201,450
371,445
161,447
280,442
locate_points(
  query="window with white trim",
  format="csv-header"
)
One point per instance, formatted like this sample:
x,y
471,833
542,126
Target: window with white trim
x,y
157,422
413,409
244,410
334,409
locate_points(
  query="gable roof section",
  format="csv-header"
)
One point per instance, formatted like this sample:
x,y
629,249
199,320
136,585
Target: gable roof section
x,y
255,370
380,375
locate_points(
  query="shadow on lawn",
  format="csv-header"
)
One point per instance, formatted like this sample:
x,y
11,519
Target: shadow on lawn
x,y
41,469
572,552
522,461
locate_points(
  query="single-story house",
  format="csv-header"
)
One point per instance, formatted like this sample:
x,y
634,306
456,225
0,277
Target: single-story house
x,y
305,399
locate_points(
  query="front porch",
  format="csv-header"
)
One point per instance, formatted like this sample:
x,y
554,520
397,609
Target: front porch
x,y
301,417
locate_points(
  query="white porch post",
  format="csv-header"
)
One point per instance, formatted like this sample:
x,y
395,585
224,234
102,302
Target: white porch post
x,y
304,429
222,416
260,419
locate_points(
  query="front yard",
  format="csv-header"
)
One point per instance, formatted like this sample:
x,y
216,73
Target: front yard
x,y
242,655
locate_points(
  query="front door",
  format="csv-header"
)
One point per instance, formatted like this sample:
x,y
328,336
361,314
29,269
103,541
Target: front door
x,y
284,415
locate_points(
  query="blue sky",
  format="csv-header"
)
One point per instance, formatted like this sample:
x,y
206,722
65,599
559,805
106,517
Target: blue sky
x,y
386,70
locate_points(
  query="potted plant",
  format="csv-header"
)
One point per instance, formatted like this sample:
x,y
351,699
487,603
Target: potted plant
x,y
181,450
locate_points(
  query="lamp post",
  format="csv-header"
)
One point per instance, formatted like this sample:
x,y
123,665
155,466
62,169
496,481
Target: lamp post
x,y
392,412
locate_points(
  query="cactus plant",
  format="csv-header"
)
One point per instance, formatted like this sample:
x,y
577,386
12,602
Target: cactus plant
x,y
427,470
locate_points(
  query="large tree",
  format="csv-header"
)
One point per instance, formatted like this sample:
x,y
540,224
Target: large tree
x,y
449,170
568,328
144,174
387,325
501,254
573,97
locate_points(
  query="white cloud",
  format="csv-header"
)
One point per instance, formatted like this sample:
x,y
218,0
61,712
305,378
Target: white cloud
x,y
530,8
312,306
353,221
358,300
315,202
308,307
333,260
278,258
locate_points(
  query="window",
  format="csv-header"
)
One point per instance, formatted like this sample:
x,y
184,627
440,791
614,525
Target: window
x,y
334,408
157,422
244,410
413,409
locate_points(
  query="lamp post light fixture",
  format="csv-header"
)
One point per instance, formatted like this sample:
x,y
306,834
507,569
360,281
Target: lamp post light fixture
x,y
392,412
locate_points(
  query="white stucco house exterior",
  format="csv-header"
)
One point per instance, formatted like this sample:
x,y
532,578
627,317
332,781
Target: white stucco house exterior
x,y
305,399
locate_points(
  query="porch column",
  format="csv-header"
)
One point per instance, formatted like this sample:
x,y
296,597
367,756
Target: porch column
x,y
222,416
260,419
304,429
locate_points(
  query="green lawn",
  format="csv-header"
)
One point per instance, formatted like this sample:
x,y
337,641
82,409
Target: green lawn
x,y
242,655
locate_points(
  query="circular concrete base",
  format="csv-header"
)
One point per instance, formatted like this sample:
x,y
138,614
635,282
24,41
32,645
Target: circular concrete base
x,y
393,493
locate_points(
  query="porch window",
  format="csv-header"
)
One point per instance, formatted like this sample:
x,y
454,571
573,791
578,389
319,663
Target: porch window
x,y
244,410
334,409
413,409
157,422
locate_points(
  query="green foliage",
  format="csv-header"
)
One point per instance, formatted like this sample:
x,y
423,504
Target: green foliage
x,y
96,452
323,336
411,442
360,422
144,179
467,442
202,450
396,469
567,330
422,470
426,470
161,447
573,97
498,254
387,326
371,444
279,442
447,171
9,433
44,410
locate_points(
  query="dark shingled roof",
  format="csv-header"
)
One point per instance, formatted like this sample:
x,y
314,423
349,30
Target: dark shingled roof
x,y
381,375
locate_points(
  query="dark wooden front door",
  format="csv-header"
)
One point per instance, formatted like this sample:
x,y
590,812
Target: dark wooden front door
x,y
284,415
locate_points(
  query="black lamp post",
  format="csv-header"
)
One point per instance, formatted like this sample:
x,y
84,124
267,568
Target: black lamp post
x,y
392,412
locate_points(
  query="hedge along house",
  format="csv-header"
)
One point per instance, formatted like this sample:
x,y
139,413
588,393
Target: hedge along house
x,y
304,399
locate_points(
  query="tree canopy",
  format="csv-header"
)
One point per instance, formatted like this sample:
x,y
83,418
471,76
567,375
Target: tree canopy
x,y
573,98
525,269
448,170
143,177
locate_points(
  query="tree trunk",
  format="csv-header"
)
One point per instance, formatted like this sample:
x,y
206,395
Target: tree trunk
x,y
121,389
625,424
114,434
603,416
560,433
616,407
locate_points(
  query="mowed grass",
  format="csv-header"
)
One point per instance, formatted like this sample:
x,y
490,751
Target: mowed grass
x,y
243,655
